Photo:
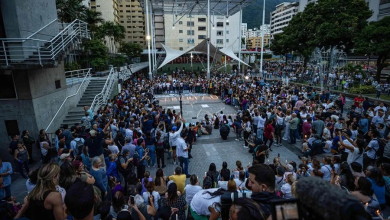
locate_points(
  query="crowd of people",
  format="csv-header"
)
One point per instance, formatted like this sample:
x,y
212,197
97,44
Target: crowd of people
x,y
98,169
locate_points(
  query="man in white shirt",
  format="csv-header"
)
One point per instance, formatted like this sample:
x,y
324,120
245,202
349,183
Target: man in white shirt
x,y
182,153
379,118
129,131
381,106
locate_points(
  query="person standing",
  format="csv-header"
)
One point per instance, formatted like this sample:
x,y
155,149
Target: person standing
x,y
5,172
183,153
12,147
293,128
22,157
28,142
318,125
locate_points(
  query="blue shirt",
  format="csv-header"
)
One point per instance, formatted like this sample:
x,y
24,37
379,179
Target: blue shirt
x,y
379,191
363,124
101,180
4,167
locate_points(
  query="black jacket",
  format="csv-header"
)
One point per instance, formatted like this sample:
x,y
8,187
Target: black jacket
x,y
264,199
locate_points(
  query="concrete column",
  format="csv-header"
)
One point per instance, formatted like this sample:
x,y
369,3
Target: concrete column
x,y
208,39
240,42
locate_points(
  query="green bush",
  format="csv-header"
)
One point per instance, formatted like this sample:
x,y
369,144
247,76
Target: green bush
x,y
361,89
72,66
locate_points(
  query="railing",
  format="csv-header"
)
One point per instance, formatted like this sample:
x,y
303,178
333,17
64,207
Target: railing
x,y
14,51
127,71
80,91
75,76
102,97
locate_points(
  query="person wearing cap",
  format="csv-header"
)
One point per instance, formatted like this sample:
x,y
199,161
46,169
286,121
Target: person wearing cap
x,y
94,143
173,136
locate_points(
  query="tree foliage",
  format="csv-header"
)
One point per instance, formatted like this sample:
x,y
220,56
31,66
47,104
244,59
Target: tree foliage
x,y
131,49
117,60
96,54
280,45
374,39
70,10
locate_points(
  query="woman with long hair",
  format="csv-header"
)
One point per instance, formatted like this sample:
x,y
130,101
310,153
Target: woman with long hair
x,y
213,174
375,176
160,182
346,181
44,202
246,209
67,175
21,156
118,203
365,194
174,201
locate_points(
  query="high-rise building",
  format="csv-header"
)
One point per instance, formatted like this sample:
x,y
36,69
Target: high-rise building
x,y
131,16
255,42
109,9
303,3
191,30
159,30
281,17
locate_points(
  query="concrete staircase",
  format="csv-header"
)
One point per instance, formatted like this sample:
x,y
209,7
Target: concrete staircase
x,y
74,116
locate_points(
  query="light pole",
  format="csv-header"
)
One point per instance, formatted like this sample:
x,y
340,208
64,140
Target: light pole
x,y
148,37
191,63
181,104
262,39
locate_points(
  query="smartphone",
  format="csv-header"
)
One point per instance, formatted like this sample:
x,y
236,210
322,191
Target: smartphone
x,y
132,200
286,209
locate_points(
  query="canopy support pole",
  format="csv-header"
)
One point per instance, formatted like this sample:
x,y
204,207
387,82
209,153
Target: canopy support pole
x,y
240,42
208,39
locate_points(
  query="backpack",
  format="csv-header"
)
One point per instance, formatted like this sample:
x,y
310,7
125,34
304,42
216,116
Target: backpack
x,y
79,147
166,141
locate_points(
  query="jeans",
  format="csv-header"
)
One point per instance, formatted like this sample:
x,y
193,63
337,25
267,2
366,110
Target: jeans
x,y
246,136
160,156
270,143
20,168
7,192
378,94
152,154
260,132
238,134
184,161
293,137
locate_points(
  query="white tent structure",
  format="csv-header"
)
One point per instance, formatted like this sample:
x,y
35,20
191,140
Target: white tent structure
x,y
216,53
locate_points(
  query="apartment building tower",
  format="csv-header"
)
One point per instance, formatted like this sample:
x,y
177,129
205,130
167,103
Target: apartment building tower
x,y
281,17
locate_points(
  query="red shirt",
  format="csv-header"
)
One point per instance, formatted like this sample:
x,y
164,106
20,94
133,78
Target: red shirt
x,y
357,101
268,130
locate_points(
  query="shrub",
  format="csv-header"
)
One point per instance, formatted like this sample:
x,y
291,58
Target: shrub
x,y
362,89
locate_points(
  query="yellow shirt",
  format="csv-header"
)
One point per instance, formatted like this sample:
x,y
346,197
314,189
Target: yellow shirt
x,y
180,181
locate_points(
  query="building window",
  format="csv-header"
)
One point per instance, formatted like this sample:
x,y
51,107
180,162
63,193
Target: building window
x,y
180,48
190,32
219,33
201,19
227,23
190,41
227,32
201,28
180,22
227,40
180,40
190,23
180,31
219,24
219,41
98,6
201,36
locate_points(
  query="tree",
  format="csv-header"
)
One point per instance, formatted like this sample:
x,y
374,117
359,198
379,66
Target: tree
x,y
280,45
96,54
93,18
117,60
70,10
131,49
299,35
114,32
337,22
374,39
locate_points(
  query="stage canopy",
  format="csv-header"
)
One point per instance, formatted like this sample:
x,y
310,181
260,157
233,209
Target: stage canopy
x,y
196,7
172,54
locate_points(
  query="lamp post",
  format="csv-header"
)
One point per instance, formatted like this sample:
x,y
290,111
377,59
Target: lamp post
x,y
262,39
191,62
181,104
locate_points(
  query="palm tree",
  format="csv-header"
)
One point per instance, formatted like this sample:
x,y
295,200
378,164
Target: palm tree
x,y
70,10
93,18
114,32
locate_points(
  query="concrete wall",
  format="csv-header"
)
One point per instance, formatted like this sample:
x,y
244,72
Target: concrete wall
x,y
22,18
38,101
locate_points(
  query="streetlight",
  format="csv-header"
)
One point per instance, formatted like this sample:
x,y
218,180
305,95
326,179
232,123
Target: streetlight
x,y
191,62
148,37
173,27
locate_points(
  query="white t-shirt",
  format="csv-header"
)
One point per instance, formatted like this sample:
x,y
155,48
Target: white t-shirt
x,y
286,190
329,144
190,191
114,149
355,156
240,183
223,184
202,201
374,146
326,171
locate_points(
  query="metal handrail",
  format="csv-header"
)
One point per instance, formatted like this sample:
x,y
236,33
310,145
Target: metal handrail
x,y
102,97
46,49
83,86
36,32
75,76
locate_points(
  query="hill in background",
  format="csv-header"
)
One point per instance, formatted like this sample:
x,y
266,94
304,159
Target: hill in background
x,y
253,14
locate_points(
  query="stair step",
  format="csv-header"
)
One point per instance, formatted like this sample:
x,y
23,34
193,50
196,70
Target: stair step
x,y
74,117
